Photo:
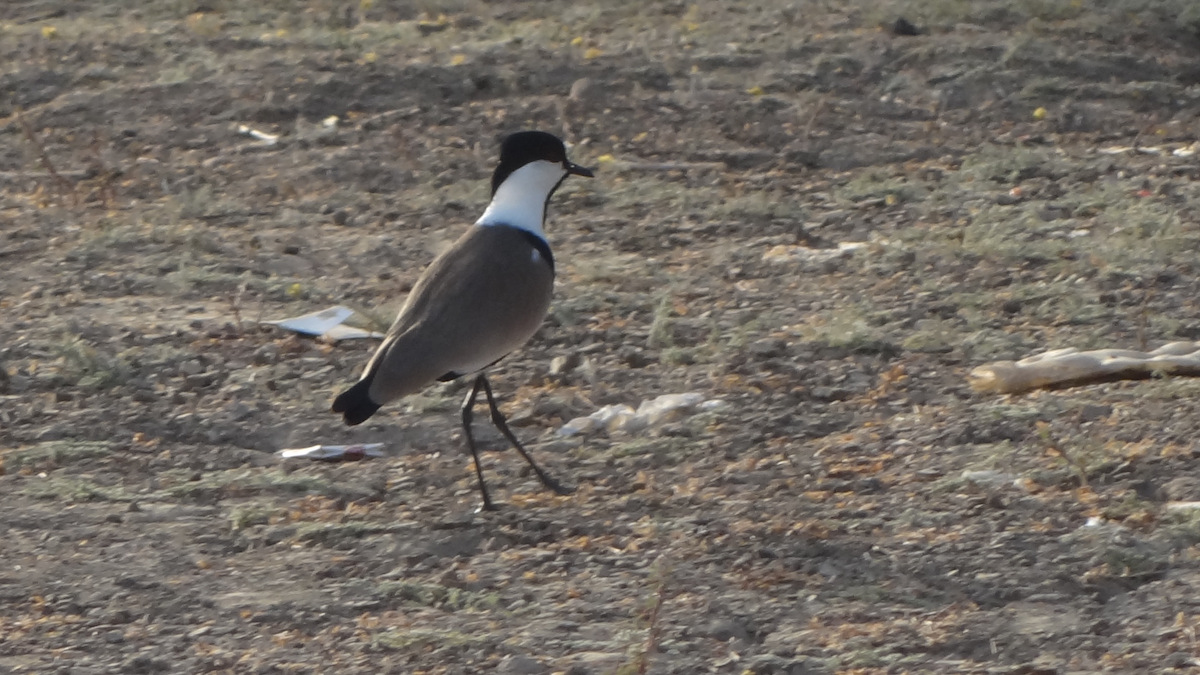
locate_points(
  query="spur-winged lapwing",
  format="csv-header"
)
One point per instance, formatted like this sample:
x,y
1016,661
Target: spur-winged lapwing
x,y
478,301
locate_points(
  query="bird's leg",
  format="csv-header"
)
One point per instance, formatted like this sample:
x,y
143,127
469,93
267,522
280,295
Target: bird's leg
x,y
468,413
502,425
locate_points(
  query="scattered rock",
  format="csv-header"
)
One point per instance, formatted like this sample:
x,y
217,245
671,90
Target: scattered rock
x,y
237,411
266,354
53,433
634,357
427,28
520,665
784,641
650,414
798,514
277,534
830,393
770,664
522,417
463,543
467,21
727,629
552,407
562,365
989,478
902,26
1183,489
194,382
592,663
144,664
583,90
768,348
1092,412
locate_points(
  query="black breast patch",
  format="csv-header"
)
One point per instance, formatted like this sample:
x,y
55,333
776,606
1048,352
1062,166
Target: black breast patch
x,y
540,245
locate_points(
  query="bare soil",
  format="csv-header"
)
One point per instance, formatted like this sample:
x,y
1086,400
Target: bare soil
x,y
1022,174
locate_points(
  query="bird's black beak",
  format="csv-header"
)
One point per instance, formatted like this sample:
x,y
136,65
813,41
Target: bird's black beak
x,y
575,169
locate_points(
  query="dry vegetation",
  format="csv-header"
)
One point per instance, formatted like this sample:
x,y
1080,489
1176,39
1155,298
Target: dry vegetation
x,y
856,508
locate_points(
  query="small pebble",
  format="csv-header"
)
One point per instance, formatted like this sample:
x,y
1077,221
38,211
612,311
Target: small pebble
x,y
520,665
903,26
562,365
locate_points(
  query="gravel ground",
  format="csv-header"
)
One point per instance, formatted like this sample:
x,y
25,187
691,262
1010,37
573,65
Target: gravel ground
x,y
1020,178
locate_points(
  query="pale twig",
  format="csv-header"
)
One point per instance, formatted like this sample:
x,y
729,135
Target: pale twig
x,y
42,175
1143,331
812,120
640,663
668,166
235,307
653,633
399,113
64,184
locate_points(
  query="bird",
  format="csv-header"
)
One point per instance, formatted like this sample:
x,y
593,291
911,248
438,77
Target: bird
x,y
481,299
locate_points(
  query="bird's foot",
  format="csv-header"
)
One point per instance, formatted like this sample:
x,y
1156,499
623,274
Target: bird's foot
x,y
488,506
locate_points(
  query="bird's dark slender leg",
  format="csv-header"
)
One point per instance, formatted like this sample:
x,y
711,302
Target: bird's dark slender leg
x,y
468,414
502,425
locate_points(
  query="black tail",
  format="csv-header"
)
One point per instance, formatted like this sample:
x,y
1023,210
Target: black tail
x,y
355,403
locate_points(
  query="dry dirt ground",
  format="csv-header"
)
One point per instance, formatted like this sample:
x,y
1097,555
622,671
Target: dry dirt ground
x,y
854,508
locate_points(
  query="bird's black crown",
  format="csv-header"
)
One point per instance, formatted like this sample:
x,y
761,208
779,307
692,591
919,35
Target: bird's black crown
x,y
524,147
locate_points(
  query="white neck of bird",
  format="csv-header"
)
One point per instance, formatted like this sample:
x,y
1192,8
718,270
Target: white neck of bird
x,y
521,199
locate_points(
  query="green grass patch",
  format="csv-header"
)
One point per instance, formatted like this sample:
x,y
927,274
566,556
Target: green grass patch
x,y
446,598
83,365
234,483
54,454
74,490
420,639
336,534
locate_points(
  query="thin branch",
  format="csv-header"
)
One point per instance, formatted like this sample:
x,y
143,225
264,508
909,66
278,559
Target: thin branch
x,y
65,185
42,175
387,115
1143,329
812,120
653,634
668,166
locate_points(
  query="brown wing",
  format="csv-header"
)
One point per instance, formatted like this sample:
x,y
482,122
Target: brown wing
x,y
478,301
